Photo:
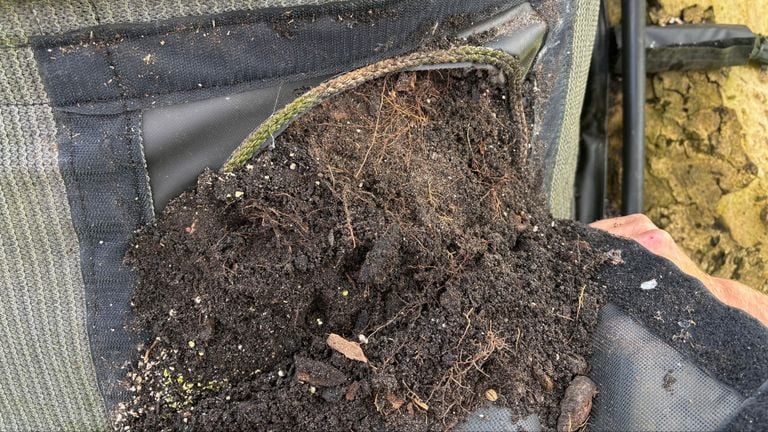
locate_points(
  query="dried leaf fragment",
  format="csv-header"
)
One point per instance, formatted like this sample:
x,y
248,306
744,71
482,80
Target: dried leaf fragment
x,y
352,390
395,401
420,403
349,349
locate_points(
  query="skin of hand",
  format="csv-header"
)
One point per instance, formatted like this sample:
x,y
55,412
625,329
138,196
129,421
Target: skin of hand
x,y
640,229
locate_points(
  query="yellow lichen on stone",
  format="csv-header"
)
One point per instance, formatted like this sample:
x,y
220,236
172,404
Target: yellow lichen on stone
x,y
707,150
742,213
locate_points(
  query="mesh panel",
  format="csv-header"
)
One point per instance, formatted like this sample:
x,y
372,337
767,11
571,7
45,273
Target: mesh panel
x,y
564,169
21,19
20,83
47,381
646,385
497,419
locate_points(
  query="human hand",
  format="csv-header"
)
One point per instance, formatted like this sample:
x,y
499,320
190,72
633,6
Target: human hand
x,y
640,229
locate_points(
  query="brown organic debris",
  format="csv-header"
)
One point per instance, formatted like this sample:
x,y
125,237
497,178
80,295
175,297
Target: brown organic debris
x,y
420,403
395,401
544,379
352,390
576,404
349,349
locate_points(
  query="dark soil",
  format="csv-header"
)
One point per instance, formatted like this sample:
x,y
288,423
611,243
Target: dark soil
x,y
398,215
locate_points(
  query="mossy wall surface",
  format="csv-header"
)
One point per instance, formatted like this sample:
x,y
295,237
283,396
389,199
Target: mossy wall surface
x,y
707,149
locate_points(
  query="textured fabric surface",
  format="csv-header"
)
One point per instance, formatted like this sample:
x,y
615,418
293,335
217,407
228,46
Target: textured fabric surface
x,y
668,392
102,164
21,19
566,151
47,380
132,11
20,84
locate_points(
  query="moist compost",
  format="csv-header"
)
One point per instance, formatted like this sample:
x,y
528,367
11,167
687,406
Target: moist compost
x,y
388,265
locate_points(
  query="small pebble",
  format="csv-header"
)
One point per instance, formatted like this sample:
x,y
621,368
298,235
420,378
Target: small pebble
x,y
292,166
491,395
649,285
191,344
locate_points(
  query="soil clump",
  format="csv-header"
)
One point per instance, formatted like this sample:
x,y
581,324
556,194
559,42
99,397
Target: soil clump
x,y
388,265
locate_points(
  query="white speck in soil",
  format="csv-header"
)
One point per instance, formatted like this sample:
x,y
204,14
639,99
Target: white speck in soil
x,y
649,285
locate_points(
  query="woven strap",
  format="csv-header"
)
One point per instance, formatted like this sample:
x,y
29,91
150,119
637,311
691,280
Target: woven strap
x,y
506,63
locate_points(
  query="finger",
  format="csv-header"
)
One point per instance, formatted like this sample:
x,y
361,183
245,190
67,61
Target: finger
x,y
743,297
661,243
625,226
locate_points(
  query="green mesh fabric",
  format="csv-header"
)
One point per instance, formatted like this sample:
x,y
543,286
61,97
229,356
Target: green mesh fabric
x,y
47,380
564,170
21,19
20,84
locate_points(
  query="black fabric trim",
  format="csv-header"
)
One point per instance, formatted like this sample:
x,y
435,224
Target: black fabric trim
x,y
101,162
725,342
753,415
182,60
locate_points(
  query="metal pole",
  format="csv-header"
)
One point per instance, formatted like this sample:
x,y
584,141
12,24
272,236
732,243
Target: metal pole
x,y
633,85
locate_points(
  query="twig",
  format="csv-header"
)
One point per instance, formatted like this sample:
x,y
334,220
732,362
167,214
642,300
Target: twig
x,y
375,130
349,218
394,318
149,350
